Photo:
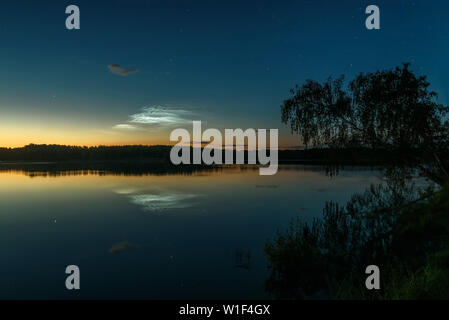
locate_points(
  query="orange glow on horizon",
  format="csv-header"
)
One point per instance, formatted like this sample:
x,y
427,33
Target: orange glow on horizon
x,y
16,137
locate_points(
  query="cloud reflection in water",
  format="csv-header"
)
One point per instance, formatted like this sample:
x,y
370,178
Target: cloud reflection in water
x,y
162,202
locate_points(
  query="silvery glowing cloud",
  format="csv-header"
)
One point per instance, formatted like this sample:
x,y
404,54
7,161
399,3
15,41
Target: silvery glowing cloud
x,y
160,115
156,117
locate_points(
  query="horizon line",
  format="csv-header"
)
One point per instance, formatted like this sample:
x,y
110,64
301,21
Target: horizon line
x,y
137,145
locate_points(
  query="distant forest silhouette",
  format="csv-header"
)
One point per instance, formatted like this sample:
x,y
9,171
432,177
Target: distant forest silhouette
x,y
44,152
160,155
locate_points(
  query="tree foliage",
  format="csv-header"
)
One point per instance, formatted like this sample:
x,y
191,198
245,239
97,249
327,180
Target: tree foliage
x,y
391,110
396,224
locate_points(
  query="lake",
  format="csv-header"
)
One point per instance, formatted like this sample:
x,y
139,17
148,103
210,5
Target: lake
x,y
198,235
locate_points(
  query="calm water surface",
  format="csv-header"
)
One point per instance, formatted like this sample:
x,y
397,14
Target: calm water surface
x,y
197,236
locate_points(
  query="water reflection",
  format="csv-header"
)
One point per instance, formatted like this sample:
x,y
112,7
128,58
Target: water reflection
x,y
158,199
208,243
40,169
162,202
50,169
121,246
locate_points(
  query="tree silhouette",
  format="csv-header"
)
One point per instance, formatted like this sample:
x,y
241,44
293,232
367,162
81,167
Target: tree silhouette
x,y
389,110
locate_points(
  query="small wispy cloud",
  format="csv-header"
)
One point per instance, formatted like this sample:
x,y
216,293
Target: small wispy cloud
x,y
119,70
126,190
125,126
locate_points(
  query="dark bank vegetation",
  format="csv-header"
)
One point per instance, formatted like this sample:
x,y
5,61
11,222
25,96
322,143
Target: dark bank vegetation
x,y
407,239
44,152
400,225
139,155
161,155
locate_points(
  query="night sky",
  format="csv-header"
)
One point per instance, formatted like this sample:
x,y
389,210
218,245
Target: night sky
x,y
227,63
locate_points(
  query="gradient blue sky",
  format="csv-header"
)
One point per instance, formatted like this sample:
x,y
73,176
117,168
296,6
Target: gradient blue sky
x,y
227,63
